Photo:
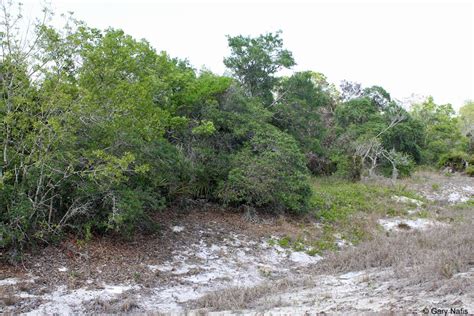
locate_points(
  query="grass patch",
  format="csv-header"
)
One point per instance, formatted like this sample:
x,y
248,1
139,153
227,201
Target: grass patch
x,y
345,211
336,200
423,257
312,244
236,298
352,209
423,214
284,242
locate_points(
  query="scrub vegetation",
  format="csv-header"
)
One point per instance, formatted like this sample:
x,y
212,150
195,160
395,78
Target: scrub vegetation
x,y
99,132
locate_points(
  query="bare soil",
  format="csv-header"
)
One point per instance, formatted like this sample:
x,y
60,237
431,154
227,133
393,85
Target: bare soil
x,y
207,259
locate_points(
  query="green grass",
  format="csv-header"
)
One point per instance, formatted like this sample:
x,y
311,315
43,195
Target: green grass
x,y
284,242
336,200
327,241
344,208
423,214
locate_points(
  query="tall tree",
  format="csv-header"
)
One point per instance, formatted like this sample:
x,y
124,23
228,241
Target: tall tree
x,y
466,122
254,62
442,130
298,106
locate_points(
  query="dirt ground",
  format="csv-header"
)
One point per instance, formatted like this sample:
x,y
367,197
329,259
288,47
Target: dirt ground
x,y
207,260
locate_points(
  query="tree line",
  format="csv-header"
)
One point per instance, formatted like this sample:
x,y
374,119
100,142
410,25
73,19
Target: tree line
x,y
98,130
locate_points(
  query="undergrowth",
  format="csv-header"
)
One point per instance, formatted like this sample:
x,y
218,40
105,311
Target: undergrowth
x,y
345,211
336,200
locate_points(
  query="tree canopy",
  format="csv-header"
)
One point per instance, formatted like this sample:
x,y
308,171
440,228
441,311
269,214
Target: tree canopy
x,y
255,61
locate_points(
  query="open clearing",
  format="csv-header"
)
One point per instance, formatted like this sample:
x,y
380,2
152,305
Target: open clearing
x,y
209,260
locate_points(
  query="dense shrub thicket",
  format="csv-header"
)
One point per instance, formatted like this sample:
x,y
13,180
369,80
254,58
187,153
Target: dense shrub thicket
x,y
99,130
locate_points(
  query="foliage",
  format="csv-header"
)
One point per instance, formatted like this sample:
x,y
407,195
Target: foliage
x,y
319,165
403,162
297,107
406,137
83,143
442,132
466,122
466,118
254,62
269,171
347,167
375,130
455,160
470,171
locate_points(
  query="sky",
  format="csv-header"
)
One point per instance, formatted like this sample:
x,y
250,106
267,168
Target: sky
x,y
411,48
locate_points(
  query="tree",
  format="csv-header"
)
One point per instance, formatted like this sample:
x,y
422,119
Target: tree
x,y
466,118
269,171
378,95
83,117
37,122
466,122
442,133
254,62
406,137
369,127
298,106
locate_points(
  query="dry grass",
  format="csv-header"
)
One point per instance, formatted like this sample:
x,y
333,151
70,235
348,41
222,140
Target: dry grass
x,y
123,304
27,287
424,256
236,298
8,299
420,256
427,260
6,296
129,305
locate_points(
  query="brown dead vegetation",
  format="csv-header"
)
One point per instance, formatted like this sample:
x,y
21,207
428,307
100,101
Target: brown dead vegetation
x,y
243,297
423,256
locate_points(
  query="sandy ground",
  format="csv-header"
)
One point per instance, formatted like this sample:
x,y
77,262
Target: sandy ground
x,y
201,267
206,251
364,291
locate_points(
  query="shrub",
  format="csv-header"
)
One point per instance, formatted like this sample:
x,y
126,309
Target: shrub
x,y
471,160
319,165
455,160
470,171
347,167
268,172
405,165
403,162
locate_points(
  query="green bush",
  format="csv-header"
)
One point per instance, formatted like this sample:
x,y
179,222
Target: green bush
x,y
320,165
405,170
268,172
403,162
470,171
347,167
455,160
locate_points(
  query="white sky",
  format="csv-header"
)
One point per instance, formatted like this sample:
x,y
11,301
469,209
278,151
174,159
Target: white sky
x,y
421,47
